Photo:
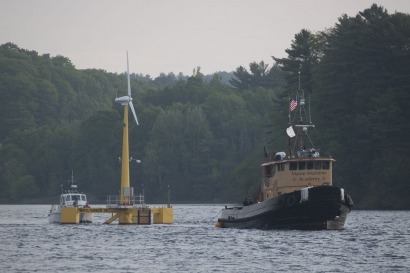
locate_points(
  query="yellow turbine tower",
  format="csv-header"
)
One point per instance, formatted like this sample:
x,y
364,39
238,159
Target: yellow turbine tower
x,y
126,192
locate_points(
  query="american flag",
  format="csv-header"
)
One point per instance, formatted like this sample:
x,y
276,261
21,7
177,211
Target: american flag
x,y
293,104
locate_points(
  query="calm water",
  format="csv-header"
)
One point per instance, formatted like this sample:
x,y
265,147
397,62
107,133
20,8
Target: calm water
x,y
373,241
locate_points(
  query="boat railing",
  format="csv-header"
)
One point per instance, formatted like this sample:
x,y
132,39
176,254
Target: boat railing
x,y
118,201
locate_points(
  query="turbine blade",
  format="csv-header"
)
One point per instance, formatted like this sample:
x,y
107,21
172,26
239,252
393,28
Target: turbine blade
x,y
129,93
128,78
133,112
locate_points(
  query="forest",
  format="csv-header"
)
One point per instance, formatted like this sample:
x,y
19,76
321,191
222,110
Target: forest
x,y
203,136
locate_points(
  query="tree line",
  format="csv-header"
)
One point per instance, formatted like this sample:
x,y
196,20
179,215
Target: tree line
x,y
203,136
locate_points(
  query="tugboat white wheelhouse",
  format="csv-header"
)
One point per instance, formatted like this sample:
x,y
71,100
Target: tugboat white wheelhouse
x,y
296,189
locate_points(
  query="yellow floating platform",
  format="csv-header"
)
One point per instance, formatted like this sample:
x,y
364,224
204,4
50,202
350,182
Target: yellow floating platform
x,y
125,216
70,216
163,215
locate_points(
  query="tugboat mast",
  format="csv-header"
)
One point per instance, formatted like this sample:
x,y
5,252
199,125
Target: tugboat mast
x,y
303,123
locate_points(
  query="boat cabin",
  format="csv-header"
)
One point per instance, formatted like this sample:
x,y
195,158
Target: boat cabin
x,y
73,198
283,175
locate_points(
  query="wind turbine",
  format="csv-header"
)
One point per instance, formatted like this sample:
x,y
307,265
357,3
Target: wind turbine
x,y
126,191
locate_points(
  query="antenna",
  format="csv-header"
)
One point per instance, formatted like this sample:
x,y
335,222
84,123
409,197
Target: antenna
x,y
310,116
72,178
299,77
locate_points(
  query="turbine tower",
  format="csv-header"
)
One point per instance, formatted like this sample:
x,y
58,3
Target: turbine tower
x,y
126,192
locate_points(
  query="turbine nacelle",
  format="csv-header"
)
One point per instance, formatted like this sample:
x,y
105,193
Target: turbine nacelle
x,y
124,100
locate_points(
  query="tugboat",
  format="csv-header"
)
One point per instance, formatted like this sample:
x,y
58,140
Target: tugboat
x,y
69,199
296,190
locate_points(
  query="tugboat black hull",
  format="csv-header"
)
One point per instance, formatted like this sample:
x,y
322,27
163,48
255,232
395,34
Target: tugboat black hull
x,y
324,207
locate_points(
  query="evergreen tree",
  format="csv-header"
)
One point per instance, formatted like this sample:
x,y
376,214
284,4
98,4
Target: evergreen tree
x,y
362,81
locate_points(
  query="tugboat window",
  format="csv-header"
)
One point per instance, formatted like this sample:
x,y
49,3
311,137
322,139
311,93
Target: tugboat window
x,y
293,166
269,170
325,165
302,165
310,165
318,165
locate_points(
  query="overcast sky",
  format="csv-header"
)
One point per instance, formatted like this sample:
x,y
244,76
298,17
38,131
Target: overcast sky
x,y
170,35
